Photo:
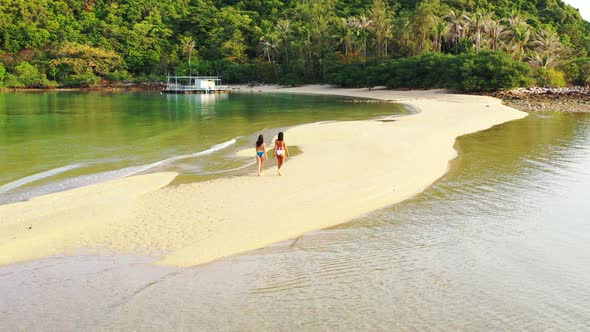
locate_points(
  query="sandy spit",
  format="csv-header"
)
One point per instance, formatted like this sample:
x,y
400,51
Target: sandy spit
x,y
347,169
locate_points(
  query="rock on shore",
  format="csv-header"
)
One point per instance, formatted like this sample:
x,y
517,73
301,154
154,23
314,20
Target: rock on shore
x,y
535,99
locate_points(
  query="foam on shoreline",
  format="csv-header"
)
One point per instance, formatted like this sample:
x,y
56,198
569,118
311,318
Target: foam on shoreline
x,y
346,169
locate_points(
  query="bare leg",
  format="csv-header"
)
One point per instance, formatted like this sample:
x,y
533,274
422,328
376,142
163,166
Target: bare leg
x,y
259,161
280,161
261,166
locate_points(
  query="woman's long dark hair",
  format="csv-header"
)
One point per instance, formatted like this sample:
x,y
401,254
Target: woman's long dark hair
x,y
259,141
281,136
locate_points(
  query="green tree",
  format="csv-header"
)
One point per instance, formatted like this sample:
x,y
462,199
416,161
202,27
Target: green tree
x,y
29,75
188,48
440,31
490,71
269,47
546,48
2,73
424,23
363,26
318,19
381,27
76,59
577,70
519,36
234,48
347,38
284,29
495,31
549,77
479,22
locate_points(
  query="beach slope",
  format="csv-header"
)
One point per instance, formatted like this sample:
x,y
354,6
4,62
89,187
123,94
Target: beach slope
x,y
346,169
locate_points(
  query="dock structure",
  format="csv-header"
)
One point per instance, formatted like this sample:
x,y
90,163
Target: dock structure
x,y
195,84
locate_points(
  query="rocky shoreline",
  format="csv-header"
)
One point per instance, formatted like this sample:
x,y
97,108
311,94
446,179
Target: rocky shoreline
x,y
571,99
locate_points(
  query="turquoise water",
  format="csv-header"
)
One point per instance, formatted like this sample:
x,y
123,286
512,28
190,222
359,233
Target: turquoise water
x,y
54,141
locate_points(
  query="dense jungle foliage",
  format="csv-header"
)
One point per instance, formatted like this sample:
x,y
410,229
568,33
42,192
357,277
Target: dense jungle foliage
x,y
465,44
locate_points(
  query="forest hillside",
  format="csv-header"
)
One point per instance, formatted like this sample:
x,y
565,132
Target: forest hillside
x,y
473,44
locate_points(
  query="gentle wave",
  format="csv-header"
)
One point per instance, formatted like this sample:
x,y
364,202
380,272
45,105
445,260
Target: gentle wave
x,y
64,184
212,149
36,177
89,179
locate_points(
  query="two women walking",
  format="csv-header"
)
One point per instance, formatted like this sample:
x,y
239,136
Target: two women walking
x,y
280,151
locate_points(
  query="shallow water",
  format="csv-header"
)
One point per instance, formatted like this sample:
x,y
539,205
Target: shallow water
x,y
54,141
499,243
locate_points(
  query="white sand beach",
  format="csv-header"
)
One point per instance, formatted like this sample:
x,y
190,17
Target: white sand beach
x,y
346,169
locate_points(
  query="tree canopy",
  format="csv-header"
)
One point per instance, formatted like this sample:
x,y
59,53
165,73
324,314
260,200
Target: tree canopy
x,y
83,42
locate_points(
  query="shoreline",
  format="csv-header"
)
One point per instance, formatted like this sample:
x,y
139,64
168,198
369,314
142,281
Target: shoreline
x,y
122,87
573,99
335,180
570,99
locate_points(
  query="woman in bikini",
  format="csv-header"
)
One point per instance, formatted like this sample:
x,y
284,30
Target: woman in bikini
x,y
281,151
260,154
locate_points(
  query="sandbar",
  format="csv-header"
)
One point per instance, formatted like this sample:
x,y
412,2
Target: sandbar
x,y
347,169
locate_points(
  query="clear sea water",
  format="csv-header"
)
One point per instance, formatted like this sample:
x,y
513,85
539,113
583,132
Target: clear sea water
x,y
502,242
54,141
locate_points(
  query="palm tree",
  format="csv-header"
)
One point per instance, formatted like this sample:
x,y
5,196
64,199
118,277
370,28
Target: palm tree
x,y
546,48
467,21
495,32
354,29
479,23
381,27
363,25
516,21
404,39
440,30
346,34
519,39
268,47
307,43
388,37
546,40
188,48
284,29
544,60
454,25
458,25
519,36
423,25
